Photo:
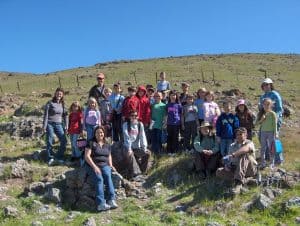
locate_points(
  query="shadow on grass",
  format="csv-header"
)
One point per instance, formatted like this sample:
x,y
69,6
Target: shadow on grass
x,y
175,174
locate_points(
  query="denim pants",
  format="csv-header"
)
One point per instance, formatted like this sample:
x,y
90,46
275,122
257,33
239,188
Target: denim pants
x,y
57,129
156,140
89,131
267,139
75,150
100,180
224,146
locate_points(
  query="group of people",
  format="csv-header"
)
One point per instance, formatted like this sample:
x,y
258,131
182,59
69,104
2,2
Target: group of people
x,y
140,119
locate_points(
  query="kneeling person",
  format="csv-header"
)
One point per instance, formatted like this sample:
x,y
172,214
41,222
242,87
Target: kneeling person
x,y
135,145
240,162
207,154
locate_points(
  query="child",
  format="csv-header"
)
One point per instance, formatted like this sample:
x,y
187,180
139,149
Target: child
x,y
150,94
211,109
189,123
91,118
199,103
75,128
185,91
163,85
268,131
158,114
174,112
106,111
207,155
144,107
246,118
226,125
131,103
116,101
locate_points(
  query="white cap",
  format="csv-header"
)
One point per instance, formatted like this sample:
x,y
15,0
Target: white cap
x,y
267,80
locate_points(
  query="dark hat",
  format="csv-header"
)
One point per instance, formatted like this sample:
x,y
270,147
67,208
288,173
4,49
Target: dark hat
x,y
132,88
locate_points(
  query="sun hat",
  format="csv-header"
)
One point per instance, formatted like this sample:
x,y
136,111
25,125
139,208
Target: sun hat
x,y
205,124
241,102
267,81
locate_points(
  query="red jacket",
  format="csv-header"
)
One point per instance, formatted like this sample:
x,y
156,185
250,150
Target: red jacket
x,y
130,104
75,123
144,113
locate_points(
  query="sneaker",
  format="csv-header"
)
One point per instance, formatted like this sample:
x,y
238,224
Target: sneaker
x,y
113,204
103,207
51,162
237,188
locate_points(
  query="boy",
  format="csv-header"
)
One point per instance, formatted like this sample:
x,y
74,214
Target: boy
x,y
131,103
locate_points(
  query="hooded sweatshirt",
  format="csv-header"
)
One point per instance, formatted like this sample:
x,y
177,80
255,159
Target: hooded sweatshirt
x,y
144,112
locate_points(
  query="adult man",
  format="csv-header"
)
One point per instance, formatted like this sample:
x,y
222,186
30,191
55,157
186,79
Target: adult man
x,y
97,91
240,162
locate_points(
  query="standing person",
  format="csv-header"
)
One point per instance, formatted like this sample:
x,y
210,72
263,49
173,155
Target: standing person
x,y
56,122
97,91
207,155
99,166
116,101
185,91
189,123
162,84
174,113
91,118
150,94
226,124
135,146
75,128
268,87
268,132
211,109
106,112
131,103
240,162
144,113
245,116
199,103
158,114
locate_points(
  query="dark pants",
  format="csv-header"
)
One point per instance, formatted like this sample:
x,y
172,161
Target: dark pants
x,y
172,141
156,140
206,162
189,134
117,127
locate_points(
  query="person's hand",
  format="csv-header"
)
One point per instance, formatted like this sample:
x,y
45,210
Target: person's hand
x,y
97,170
130,152
209,152
44,130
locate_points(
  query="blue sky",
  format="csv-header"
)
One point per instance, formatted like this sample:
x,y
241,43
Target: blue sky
x,y
41,36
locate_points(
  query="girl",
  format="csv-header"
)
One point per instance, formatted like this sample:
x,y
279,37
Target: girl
x,y
75,128
268,131
106,112
55,121
91,118
207,154
99,165
162,84
246,118
211,109
199,103
174,113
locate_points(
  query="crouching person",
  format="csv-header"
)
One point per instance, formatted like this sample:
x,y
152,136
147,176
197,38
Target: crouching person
x,y
240,162
135,146
207,155
99,165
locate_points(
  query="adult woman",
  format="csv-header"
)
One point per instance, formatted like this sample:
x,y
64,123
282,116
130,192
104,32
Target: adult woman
x,y
99,165
268,87
207,154
56,122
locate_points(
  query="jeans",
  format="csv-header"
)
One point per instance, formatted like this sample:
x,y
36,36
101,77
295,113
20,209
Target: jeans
x,y
89,131
267,139
75,150
224,146
156,140
100,180
57,129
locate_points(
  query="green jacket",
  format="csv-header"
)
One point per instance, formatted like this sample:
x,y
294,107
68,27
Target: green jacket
x,y
207,143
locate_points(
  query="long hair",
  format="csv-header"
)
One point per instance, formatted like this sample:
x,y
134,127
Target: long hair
x,y
59,90
94,133
174,92
75,103
246,112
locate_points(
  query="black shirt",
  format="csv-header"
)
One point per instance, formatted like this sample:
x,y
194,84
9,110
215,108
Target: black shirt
x,y
100,154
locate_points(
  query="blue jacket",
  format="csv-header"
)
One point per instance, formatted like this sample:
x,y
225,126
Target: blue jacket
x,y
226,125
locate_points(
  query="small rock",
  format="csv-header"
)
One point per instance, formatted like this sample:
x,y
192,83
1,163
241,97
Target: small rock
x,y
90,222
20,168
117,179
36,223
10,211
213,223
37,187
297,220
263,202
180,208
295,201
53,194
247,206
72,215
269,193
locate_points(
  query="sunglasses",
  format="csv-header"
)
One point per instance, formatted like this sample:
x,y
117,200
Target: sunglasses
x,y
100,78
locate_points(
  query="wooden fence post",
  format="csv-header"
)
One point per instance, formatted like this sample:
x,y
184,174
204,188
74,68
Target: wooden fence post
x,y
213,74
1,89
59,82
18,86
77,80
134,76
156,78
202,75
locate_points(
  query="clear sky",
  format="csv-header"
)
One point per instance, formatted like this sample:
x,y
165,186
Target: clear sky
x,y
41,36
